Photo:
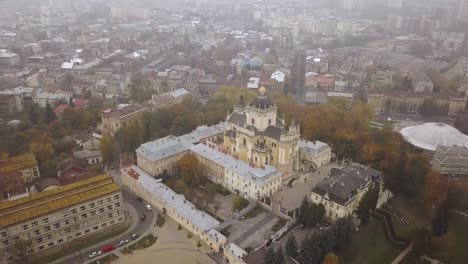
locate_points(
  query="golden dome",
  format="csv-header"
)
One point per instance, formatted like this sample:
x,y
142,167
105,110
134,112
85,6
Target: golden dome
x,y
262,90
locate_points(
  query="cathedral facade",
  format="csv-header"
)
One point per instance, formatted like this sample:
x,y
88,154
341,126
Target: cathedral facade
x,y
255,134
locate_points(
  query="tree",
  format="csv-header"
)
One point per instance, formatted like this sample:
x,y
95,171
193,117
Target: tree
x,y
189,169
239,203
130,137
330,258
310,214
210,192
49,114
107,148
291,247
422,242
435,189
440,220
368,203
273,256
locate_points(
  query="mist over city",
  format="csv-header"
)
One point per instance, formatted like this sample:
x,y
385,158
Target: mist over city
x,y
233,132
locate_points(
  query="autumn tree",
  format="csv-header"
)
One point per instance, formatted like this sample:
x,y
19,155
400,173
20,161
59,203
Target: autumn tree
x,y
330,258
21,250
435,189
239,203
190,170
140,89
107,148
43,148
130,137
440,220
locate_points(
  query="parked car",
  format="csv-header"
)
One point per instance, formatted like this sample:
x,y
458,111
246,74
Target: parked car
x,y
148,207
139,199
95,254
134,236
143,217
108,248
122,242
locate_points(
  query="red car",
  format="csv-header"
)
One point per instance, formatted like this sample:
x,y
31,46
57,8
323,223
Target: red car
x,y
108,248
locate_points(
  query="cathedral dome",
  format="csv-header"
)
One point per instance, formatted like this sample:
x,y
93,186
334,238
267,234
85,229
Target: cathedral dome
x,y
262,101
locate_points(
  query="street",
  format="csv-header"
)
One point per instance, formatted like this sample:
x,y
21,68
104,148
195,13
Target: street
x,y
138,227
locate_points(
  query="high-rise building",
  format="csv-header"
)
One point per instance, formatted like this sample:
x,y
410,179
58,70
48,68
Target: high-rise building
x,y
397,4
298,75
462,11
45,222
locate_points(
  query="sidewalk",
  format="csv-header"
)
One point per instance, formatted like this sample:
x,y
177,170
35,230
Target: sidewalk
x,y
132,216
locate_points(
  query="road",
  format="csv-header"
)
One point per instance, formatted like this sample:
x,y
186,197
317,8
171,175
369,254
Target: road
x,y
138,208
254,228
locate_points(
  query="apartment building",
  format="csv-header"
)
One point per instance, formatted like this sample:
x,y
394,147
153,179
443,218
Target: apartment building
x,y
199,223
122,116
420,82
48,220
23,167
341,192
234,254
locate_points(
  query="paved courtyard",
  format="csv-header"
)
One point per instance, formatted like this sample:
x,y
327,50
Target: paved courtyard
x,y
224,205
291,197
172,246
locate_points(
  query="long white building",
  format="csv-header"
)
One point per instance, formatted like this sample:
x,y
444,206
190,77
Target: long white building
x,y
199,223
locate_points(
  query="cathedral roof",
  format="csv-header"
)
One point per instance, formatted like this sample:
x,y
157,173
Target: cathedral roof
x,y
262,101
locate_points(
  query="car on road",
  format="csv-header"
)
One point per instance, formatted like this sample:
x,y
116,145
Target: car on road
x,y
134,236
148,207
122,242
108,248
95,254
143,217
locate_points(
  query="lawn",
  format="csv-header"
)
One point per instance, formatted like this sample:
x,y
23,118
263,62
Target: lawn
x,y
143,242
104,260
369,245
258,209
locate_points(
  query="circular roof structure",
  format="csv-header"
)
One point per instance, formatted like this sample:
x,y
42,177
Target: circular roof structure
x,y
428,136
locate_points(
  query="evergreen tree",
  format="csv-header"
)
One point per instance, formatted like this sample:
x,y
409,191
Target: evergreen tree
x,y
49,114
368,203
279,256
291,247
269,257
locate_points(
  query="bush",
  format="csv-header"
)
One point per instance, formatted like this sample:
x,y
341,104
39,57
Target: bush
x,y
239,203
222,190
278,225
160,221
258,209
249,249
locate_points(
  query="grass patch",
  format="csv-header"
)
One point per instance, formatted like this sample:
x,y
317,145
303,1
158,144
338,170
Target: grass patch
x,y
369,245
278,225
160,220
258,209
104,260
80,244
144,242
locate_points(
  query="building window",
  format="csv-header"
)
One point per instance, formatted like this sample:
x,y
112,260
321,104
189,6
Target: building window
x,y
82,208
4,234
67,222
109,215
244,141
25,227
117,205
253,121
34,224
92,213
45,220
269,121
73,211
78,234
47,228
50,244
57,225
100,202
49,237
101,210
96,228
116,197
84,216
39,240
5,243
87,231
36,232
91,205
109,207
67,230
108,199
60,241
40,248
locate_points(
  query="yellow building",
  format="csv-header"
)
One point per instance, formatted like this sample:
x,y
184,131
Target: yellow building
x,y
49,220
256,135
122,116
23,167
